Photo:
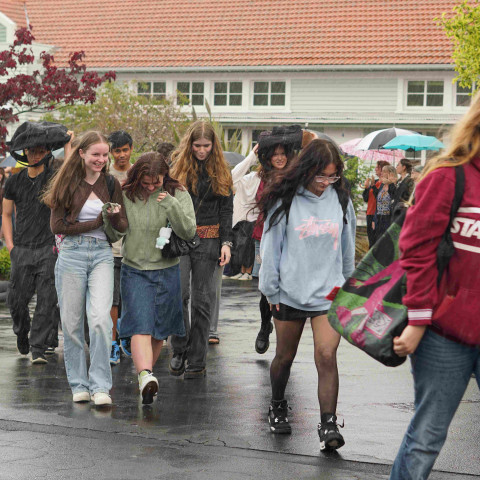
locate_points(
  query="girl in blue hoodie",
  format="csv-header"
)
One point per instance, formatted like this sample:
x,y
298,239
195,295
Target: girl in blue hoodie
x,y
307,249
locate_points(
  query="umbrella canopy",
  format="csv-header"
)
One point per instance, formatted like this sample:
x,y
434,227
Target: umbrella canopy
x,y
233,158
376,140
414,142
390,156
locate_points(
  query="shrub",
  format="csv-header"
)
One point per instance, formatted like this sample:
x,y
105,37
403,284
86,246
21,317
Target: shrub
x,y
4,264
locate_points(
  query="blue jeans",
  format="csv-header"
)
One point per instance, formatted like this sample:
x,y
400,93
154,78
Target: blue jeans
x,y
84,281
441,370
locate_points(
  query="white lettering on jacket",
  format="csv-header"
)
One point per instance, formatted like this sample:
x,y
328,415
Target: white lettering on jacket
x,y
466,227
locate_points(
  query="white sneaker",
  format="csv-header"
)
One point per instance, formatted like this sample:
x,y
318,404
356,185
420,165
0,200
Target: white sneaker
x,y
148,386
236,277
81,397
101,398
245,276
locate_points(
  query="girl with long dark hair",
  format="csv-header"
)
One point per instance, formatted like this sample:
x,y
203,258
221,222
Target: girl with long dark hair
x,y
150,283
199,164
81,200
307,249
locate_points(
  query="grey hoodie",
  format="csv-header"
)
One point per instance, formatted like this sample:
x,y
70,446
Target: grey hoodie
x,y
304,259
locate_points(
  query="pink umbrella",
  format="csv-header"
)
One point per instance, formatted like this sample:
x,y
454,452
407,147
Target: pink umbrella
x,y
390,156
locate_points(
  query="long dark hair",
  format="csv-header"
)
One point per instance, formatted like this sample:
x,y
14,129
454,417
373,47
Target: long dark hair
x,y
314,158
150,164
265,157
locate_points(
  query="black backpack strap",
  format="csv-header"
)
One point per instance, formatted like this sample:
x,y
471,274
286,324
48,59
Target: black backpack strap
x,y
446,248
343,198
110,179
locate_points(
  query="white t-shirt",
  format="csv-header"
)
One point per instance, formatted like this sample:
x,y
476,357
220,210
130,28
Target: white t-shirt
x,y
90,211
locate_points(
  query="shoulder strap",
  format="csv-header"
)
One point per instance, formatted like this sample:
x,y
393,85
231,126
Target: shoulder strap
x,y
343,198
110,179
459,189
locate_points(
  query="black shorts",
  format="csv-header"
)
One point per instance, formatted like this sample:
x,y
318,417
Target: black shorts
x,y
287,313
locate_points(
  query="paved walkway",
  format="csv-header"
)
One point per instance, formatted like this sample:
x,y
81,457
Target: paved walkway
x,y
215,427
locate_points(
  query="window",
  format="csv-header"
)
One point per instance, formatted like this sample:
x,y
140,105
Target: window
x,y
190,92
255,134
3,33
464,95
269,94
421,93
234,133
227,93
152,89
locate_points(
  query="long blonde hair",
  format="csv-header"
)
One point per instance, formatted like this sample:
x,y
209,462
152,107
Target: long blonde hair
x,y
185,167
464,141
62,188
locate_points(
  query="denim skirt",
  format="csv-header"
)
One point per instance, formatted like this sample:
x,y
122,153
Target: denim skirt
x,y
151,302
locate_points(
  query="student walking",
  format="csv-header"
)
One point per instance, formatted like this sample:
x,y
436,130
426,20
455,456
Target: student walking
x,y
150,284
307,249
79,197
384,196
31,242
443,332
199,164
121,148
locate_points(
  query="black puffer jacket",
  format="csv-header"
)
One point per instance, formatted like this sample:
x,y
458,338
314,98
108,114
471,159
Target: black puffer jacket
x,y
212,209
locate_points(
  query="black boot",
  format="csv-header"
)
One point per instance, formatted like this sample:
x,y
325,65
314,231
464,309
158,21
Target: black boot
x,y
262,342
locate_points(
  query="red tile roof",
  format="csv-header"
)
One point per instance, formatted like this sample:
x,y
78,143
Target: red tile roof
x,y
204,33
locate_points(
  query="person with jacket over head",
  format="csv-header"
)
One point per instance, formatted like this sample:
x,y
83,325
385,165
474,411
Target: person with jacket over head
x,y
199,164
443,331
79,197
370,200
150,283
308,210
31,242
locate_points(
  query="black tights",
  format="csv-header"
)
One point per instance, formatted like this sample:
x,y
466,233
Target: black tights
x,y
265,312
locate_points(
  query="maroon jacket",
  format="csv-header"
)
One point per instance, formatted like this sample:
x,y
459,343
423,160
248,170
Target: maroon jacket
x,y
453,308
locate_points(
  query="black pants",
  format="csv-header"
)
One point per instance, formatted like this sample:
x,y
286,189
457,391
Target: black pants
x,y
197,279
370,231
33,272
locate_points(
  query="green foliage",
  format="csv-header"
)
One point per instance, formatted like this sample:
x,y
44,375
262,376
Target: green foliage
x,y
463,28
118,107
4,264
356,171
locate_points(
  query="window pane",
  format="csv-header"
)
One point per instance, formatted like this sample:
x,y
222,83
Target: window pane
x,y
236,100
197,99
159,87
233,134
220,100
416,87
463,100
277,100
278,87
220,87
197,87
235,87
415,100
183,87
434,87
260,100
143,88
434,100
260,87
464,89
255,134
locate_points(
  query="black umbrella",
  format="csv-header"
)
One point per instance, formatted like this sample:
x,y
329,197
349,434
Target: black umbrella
x,y
377,139
233,158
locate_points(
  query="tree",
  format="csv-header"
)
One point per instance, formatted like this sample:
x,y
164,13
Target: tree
x,y
118,107
464,29
47,87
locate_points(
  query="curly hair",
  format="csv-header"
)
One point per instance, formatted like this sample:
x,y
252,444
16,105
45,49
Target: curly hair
x,y
314,158
67,179
185,167
150,164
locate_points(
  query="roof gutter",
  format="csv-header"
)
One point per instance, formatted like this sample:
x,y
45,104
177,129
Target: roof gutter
x,y
282,68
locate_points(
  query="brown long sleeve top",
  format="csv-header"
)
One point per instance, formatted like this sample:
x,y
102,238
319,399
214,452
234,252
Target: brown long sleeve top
x,y
63,222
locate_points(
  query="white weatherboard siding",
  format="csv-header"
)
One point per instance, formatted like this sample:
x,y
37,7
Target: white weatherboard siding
x,y
343,95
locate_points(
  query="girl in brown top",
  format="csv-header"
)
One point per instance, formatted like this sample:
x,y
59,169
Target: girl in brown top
x,y
80,196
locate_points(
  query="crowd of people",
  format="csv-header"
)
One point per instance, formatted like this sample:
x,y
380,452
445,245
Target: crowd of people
x,y
90,239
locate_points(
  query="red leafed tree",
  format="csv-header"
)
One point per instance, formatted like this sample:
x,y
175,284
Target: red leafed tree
x,y
46,88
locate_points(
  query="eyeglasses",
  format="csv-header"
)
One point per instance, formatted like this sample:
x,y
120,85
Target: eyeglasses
x,y
322,179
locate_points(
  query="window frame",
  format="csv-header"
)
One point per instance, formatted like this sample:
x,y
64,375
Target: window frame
x,y
286,94
424,94
456,94
228,94
151,93
190,94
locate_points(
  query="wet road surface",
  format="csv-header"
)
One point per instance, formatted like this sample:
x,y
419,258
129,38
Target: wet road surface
x,y
215,427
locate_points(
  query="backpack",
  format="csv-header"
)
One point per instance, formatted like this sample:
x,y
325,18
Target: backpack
x,y
368,310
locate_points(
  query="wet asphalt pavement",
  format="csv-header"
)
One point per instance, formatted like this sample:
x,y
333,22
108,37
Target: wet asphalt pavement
x,y
215,427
